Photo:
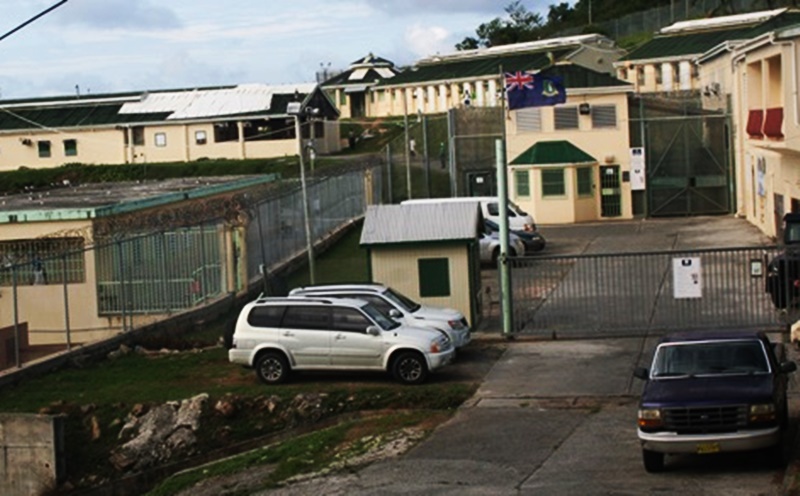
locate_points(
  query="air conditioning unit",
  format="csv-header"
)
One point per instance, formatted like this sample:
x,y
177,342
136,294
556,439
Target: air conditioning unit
x,y
26,141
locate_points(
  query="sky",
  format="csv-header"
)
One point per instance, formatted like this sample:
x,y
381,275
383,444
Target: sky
x,y
106,46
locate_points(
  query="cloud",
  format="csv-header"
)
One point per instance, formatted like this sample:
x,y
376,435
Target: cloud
x,y
119,14
424,41
490,8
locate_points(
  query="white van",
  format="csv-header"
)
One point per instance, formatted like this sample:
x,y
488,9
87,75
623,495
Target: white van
x,y
518,220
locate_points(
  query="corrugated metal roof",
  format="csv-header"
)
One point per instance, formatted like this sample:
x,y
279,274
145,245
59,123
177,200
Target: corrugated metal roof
x,y
195,104
395,224
150,107
724,21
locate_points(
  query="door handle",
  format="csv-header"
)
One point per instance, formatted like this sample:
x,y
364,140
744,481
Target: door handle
x,y
340,336
288,333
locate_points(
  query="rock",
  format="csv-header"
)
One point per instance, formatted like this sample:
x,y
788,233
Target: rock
x,y
86,409
96,433
225,407
138,409
163,433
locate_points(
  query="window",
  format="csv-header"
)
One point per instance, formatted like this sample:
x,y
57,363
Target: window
x,y
604,116
266,316
70,147
138,135
200,137
553,182
301,317
226,131
522,181
42,261
529,120
376,300
44,148
342,97
659,74
640,75
566,117
161,139
350,320
584,181
434,277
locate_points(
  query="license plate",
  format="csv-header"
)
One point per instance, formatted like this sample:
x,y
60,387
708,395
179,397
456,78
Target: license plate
x,y
705,448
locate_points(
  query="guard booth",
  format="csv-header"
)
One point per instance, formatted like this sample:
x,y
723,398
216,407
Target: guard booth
x,y
429,252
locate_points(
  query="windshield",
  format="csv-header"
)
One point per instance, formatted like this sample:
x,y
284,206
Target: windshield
x,y
402,300
382,319
515,207
710,358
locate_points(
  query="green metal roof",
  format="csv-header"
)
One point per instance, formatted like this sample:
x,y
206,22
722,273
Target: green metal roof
x,y
479,66
551,153
699,42
577,76
684,44
71,116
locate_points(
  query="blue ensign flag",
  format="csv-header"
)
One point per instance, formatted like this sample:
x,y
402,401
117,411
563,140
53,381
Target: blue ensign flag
x,y
527,90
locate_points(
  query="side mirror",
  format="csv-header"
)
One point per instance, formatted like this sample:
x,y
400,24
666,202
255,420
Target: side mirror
x,y
641,373
373,330
787,367
395,313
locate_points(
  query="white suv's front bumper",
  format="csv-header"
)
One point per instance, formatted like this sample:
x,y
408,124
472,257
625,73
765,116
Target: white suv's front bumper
x,y
439,360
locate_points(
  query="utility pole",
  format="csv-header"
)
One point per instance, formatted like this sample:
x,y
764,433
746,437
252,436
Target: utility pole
x,y
408,151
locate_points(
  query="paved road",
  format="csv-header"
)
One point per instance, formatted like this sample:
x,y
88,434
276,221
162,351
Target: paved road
x,y
552,418
558,417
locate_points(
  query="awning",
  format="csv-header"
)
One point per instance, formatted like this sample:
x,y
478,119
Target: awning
x,y
356,89
554,154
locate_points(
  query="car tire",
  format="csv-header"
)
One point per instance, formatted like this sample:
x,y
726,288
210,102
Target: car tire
x,y
653,461
272,367
495,256
409,367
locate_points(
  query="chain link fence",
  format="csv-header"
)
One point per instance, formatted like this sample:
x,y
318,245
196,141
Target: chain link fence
x,y
60,291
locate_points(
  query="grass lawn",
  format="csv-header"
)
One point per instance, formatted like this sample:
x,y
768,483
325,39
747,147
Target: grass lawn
x,y
104,394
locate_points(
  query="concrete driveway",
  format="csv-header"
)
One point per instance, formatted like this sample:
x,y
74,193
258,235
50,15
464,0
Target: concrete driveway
x,y
556,417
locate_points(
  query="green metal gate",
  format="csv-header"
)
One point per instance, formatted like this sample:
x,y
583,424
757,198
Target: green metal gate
x,y
688,163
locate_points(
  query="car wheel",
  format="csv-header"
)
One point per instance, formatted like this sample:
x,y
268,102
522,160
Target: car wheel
x,y
653,460
495,256
410,368
272,367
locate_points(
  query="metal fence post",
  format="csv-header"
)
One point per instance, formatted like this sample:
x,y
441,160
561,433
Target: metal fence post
x,y
17,360
122,297
65,278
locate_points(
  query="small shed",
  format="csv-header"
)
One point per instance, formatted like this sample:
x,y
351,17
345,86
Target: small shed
x,y
428,252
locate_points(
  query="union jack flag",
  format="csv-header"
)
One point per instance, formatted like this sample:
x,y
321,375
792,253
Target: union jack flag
x,y
518,81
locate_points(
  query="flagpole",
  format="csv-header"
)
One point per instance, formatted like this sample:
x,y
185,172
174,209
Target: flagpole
x,y
502,203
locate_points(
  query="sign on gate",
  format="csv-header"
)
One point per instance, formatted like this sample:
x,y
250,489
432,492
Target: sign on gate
x,y
687,278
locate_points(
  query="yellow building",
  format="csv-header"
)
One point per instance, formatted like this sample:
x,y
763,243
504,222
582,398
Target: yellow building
x,y
767,112
351,89
672,61
572,162
234,122
428,252
466,78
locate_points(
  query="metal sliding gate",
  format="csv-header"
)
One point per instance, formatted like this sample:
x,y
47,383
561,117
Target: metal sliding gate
x,y
640,293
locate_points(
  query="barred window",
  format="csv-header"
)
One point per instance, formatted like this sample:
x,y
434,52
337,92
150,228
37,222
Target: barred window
x,y
553,182
604,116
42,261
529,120
522,180
566,117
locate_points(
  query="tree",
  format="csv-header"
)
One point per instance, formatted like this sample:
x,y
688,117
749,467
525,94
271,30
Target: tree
x,y
521,25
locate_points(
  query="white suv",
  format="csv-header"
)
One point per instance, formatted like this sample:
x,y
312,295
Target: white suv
x,y
398,306
278,335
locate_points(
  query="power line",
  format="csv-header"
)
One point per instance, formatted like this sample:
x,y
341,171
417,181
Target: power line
x,y
40,14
